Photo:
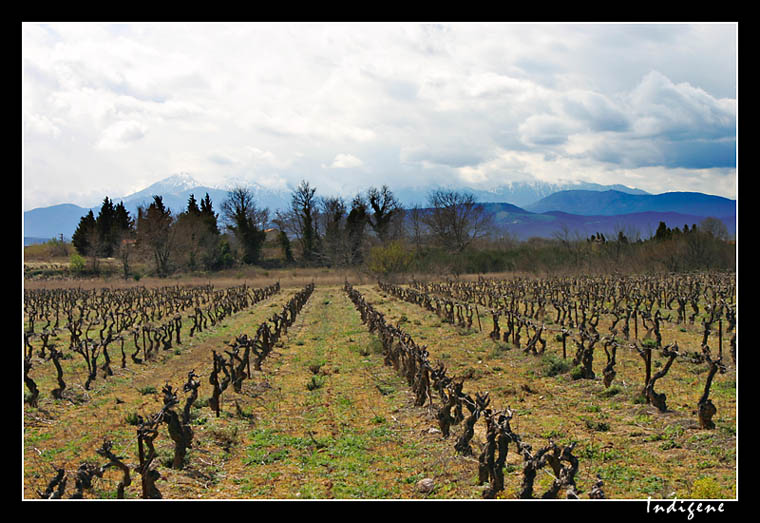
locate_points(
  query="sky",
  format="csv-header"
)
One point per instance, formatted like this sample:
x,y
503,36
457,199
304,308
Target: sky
x,y
110,108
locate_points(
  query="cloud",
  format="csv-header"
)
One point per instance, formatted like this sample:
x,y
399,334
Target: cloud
x,y
346,161
673,125
41,125
121,134
221,159
546,129
679,111
596,111
414,103
449,154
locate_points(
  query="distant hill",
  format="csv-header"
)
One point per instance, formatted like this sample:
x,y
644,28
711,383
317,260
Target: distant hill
x,y
634,225
520,224
595,208
34,241
609,203
48,222
44,223
521,194
523,225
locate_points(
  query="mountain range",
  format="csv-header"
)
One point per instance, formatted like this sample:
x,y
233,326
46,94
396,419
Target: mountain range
x,y
522,209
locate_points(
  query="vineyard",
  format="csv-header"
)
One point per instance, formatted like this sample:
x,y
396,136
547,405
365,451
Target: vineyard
x,y
609,387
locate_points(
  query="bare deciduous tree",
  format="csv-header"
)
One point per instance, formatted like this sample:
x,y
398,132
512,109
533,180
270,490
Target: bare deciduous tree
x,y
456,219
385,209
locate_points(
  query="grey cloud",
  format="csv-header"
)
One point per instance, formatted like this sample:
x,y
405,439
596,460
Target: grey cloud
x,y
546,129
688,154
596,110
220,159
402,90
680,111
672,125
451,155
700,154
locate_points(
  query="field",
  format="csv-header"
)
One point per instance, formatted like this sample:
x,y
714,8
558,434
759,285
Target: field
x,y
327,417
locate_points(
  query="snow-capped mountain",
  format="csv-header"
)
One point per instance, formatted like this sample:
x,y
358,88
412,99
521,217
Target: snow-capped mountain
x,y
173,185
520,193
50,222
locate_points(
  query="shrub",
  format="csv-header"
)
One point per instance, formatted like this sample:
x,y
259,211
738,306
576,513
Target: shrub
x,y
77,263
598,426
376,346
610,391
649,343
706,488
200,403
551,365
316,382
389,259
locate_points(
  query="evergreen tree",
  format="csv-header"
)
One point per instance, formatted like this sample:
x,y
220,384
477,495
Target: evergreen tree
x,y
284,241
123,222
190,235
356,222
105,223
209,216
192,206
155,233
247,222
124,232
217,253
663,233
85,235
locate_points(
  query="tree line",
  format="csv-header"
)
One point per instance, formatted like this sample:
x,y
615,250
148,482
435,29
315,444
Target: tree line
x,y
452,234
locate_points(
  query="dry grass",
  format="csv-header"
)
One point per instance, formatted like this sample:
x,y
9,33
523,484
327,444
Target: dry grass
x,y
256,277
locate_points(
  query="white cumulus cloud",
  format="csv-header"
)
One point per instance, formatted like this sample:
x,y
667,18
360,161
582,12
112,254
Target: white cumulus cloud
x,y
345,161
120,134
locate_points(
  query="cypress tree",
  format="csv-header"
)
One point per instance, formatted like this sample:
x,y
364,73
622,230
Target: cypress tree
x,y
208,214
355,225
84,235
192,206
123,222
105,226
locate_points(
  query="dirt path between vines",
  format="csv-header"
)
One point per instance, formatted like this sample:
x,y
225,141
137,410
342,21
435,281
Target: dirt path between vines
x,y
334,423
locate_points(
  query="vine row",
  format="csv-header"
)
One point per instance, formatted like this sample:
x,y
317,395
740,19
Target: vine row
x,y
412,362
